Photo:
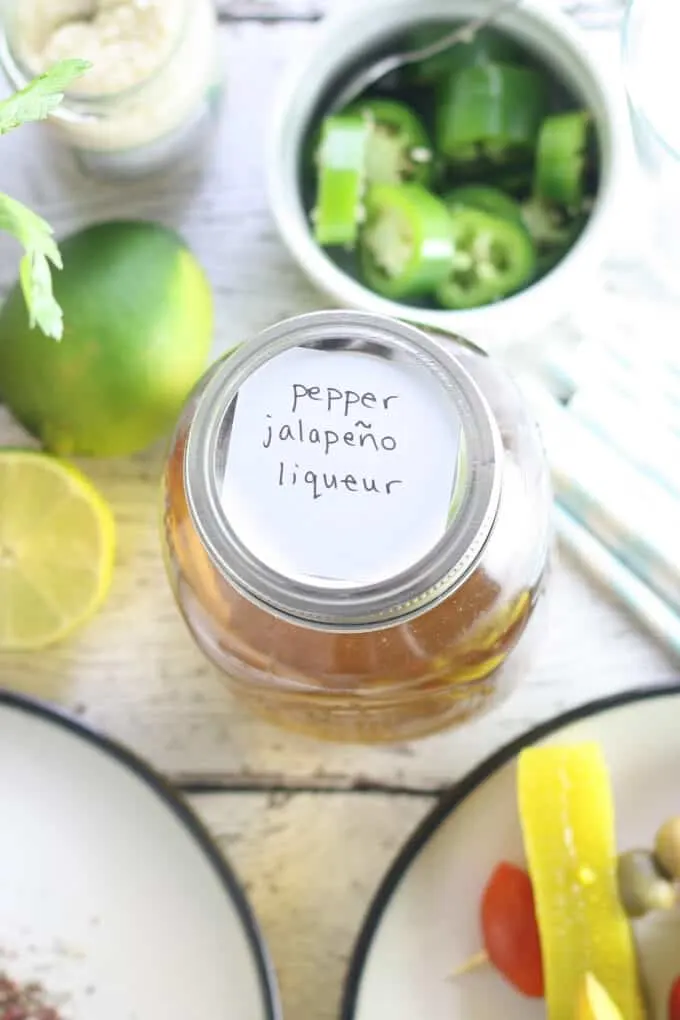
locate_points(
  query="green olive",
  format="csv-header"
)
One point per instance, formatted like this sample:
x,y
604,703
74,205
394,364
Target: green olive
x,y
667,848
642,887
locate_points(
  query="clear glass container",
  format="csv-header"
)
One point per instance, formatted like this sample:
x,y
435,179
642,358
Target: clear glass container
x,y
652,77
152,92
356,526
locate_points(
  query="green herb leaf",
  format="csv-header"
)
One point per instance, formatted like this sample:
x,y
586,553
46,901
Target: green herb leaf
x,y
40,97
35,102
37,240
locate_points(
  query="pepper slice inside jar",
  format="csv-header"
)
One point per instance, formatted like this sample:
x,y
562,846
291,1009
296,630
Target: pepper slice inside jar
x,y
561,158
341,159
553,231
490,112
493,257
488,199
486,45
398,147
406,244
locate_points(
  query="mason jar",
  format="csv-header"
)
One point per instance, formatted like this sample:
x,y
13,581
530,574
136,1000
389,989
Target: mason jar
x,y
154,86
356,526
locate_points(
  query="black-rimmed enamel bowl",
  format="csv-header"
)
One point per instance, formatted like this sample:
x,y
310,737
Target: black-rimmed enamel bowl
x,y
112,893
424,921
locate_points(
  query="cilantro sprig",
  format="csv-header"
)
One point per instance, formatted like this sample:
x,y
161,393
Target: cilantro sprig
x,y
35,102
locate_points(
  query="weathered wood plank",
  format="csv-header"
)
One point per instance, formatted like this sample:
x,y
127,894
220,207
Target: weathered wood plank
x,y
310,866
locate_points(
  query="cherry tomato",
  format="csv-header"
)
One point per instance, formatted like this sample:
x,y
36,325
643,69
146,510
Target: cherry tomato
x,y
674,1001
510,930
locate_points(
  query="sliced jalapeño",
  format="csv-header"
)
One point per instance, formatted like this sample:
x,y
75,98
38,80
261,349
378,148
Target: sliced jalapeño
x,y
398,147
490,112
493,257
487,45
341,161
561,158
406,243
487,198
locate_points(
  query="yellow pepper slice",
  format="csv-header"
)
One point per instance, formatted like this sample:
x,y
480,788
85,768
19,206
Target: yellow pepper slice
x,y
594,1002
567,815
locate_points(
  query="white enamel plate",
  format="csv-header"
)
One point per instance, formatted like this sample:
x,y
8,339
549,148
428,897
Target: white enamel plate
x,y
111,892
424,920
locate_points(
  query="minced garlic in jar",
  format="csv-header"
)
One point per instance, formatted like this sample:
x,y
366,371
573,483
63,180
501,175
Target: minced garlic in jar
x,y
126,41
153,77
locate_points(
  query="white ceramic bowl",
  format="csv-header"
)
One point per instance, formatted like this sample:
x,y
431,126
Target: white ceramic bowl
x,y
340,43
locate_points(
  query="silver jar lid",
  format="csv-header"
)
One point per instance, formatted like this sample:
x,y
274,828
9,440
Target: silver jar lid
x,y
343,470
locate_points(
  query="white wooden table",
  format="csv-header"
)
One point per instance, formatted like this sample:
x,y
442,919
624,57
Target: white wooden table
x,y
309,828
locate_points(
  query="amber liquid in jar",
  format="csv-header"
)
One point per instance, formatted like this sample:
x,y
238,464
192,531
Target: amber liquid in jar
x,y
395,679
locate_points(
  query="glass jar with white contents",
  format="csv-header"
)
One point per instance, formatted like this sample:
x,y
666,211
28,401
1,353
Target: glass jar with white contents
x,y
153,88
356,526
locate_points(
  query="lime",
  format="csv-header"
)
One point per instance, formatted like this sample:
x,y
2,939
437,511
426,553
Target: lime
x,y
57,547
138,323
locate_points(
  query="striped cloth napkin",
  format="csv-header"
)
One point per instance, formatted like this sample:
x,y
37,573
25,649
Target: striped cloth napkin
x,y
610,418
609,408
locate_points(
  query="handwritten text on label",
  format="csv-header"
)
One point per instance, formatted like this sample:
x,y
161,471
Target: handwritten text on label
x,y
340,465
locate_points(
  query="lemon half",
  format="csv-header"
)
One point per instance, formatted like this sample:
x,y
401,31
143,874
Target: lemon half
x,y
57,550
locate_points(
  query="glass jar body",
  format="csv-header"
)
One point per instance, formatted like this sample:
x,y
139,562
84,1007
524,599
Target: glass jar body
x,y
147,119
405,679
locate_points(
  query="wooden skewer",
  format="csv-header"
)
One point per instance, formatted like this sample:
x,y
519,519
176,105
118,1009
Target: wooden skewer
x,y
480,959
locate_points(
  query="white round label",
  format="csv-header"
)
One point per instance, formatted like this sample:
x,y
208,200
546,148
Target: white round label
x,y
342,466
